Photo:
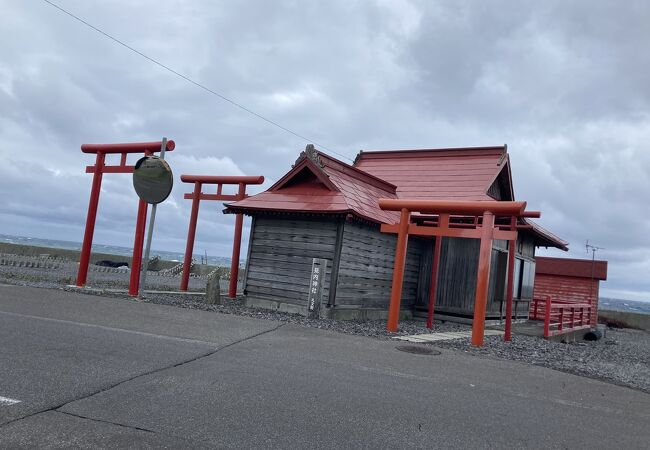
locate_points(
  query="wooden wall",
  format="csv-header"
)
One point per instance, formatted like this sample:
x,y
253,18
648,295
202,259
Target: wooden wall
x,y
282,249
280,257
366,268
524,273
457,276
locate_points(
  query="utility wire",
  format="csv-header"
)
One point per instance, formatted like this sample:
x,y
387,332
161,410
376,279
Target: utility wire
x,y
188,79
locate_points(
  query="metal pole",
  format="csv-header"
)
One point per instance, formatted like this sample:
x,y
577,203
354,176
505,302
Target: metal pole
x,y
84,260
482,279
147,250
398,270
591,282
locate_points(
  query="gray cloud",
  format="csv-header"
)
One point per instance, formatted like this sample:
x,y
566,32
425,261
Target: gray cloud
x,y
564,84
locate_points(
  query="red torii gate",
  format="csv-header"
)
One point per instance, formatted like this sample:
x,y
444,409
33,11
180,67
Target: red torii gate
x,y
196,197
486,231
101,150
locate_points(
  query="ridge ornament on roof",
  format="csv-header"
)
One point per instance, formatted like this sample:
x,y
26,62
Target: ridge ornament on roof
x,y
310,153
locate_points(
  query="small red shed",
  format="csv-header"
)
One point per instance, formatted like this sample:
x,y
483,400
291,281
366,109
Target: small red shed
x,y
570,281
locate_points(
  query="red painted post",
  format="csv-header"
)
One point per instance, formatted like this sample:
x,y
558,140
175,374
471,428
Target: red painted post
x,y
434,280
191,233
93,204
507,335
398,271
547,317
443,222
136,262
236,248
482,279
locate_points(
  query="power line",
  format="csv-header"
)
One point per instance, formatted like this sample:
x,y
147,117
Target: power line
x,y
188,79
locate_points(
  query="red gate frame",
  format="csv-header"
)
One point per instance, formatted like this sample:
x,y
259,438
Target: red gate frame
x,y
486,231
98,170
196,197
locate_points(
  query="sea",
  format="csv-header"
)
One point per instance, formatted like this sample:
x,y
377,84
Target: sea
x,y
110,249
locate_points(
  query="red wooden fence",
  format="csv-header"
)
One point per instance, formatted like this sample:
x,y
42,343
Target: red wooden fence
x,y
560,316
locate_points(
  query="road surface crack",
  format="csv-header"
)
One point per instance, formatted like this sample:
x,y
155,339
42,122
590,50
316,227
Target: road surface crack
x,y
57,408
78,416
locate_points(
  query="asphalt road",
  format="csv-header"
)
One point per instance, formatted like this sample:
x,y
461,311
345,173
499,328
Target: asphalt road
x,y
92,372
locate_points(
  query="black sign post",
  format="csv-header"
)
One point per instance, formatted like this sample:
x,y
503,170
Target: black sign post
x,y
316,284
153,182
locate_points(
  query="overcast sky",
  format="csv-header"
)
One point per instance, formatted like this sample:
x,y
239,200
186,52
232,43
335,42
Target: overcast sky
x,y
564,84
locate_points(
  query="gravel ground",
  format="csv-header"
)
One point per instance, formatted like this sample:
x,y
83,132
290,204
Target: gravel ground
x,y
371,328
622,357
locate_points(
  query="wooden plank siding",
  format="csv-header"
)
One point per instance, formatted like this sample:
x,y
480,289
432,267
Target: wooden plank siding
x,y
366,268
571,289
282,249
525,279
496,191
457,277
279,266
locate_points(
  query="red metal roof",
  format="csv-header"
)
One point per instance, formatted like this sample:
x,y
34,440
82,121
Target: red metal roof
x,y
545,238
579,268
437,174
318,183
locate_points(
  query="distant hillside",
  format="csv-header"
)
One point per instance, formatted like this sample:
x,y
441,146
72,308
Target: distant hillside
x,y
617,304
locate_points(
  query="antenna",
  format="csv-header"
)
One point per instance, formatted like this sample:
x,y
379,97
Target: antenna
x,y
593,249
589,247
